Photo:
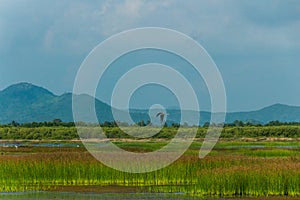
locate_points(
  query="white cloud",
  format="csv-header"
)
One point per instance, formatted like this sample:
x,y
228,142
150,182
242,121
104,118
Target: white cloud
x,y
80,25
103,8
130,8
116,16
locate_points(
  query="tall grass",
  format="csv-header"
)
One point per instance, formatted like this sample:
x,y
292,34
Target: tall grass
x,y
219,174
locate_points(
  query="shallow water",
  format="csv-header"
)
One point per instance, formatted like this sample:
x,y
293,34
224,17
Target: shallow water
x,y
81,196
9,144
79,144
121,196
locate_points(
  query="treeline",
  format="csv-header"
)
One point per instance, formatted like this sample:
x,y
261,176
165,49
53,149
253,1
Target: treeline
x,y
59,122
38,133
271,123
55,122
68,133
59,130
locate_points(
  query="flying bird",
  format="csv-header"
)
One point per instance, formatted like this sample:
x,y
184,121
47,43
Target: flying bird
x,y
162,116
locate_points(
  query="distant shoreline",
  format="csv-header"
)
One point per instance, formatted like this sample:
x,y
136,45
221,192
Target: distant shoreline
x,y
248,139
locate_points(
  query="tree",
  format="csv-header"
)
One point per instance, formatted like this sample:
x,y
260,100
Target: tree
x,y
141,123
14,124
206,124
57,121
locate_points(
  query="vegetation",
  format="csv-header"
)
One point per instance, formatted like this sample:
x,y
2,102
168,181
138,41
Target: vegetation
x,y
233,168
227,171
58,130
39,133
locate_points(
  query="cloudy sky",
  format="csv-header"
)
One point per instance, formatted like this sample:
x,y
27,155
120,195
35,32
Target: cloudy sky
x,y
255,44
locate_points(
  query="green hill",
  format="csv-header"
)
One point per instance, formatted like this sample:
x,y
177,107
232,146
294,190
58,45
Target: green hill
x,y
25,102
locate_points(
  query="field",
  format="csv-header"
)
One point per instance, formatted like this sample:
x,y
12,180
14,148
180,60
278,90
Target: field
x,y
68,133
236,167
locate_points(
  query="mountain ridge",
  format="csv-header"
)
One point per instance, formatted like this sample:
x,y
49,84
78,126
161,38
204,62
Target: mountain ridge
x,y
25,102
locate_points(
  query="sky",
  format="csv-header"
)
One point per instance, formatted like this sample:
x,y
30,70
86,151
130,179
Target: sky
x,y
255,44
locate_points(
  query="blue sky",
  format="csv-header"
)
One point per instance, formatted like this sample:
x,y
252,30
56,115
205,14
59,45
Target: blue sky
x,y
255,44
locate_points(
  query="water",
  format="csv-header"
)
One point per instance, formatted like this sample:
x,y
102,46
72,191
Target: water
x,y
37,144
78,144
121,196
81,196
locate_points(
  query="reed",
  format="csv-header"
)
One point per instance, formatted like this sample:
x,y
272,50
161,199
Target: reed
x,y
243,173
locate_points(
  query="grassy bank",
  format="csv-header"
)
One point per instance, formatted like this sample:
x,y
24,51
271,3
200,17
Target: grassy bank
x,y
68,133
262,169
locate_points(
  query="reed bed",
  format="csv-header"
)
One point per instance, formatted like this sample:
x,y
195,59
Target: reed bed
x,y
219,174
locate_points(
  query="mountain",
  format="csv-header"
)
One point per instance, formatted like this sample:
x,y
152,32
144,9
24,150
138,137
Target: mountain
x,y
280,112
25,102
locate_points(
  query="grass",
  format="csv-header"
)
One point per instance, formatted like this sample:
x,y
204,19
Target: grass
x,y
267,153
69,133
226,171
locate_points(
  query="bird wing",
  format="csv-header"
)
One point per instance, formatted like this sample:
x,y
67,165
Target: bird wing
x,y
158,114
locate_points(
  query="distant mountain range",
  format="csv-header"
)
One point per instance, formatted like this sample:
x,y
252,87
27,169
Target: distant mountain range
x,y
24,102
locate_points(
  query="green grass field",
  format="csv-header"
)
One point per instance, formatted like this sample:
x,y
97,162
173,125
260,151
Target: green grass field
x,y
233,168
